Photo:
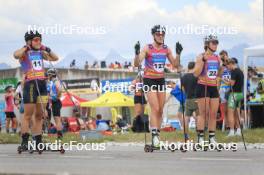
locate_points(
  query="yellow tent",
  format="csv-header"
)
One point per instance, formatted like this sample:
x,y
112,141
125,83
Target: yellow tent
x,y
114,115
110,99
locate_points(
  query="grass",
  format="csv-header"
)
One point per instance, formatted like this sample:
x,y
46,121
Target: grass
x,y
251,136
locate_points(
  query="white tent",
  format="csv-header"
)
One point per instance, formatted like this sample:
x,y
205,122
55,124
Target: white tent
x,y
255,51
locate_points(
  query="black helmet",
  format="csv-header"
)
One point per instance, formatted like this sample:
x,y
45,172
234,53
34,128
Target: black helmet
x,y
235,60
51,72
210,38
36,34
28,35
158,28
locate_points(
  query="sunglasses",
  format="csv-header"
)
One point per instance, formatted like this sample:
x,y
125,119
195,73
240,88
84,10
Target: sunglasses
x,y
160,34
36,40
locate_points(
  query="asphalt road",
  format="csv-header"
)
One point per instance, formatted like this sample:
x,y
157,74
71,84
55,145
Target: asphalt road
x,y
132,160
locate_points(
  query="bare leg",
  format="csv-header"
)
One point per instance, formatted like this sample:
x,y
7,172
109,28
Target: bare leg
x,y
39,114
26,119
214,105
162,98
154,106
203,111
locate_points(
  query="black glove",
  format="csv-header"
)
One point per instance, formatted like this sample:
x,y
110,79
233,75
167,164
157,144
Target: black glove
x,y
27,47
179,48
47,49
137,48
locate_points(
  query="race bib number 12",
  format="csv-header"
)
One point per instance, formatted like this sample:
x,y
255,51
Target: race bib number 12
x,y
159,67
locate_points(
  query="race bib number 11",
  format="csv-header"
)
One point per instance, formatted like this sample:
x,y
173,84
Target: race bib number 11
x,y
36,61
37,64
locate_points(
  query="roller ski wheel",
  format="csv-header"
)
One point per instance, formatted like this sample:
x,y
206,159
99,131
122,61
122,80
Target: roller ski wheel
x,y
148,148
201,148
21,149
62,150
173,149
221,148
183,148
218,148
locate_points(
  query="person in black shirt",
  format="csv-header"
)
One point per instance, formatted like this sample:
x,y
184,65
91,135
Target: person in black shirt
x,y
236,83
189,82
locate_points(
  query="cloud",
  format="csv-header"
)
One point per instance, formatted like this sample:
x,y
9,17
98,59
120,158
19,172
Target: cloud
x,y
125,23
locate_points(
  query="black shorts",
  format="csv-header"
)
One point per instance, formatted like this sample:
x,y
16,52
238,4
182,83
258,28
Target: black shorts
x,y
138,100
212,91
55,109
154,84
30,91
10,115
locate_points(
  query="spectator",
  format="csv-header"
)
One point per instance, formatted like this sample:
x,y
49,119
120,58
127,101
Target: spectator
x,y
112,66
19,97
119,65
122,124
72,65
86,66
125,65
224,88
9,110
189,82
179,95
91,123
95,65
102,125
234,99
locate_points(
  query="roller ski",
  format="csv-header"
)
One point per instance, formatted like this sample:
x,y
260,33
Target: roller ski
x,y
58,147
38,146
203,145
155,144
24,147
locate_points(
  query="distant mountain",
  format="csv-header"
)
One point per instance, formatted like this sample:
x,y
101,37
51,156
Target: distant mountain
x,y
4,66
185,59
80,56
238,52
114,56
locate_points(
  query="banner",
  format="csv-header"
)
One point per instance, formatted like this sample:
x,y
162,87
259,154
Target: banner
x,y
7,82
2,114
92,83
120,85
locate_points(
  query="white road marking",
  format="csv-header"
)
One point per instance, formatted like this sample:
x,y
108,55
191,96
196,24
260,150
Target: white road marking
x,y
216,159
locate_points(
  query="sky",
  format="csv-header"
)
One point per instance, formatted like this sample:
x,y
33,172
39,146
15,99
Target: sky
x,y
101,25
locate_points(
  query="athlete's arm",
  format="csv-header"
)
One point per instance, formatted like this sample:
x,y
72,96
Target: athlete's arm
x,y
174,61
233,78
221,70
140,57
58,87
167,99
18,54
198,65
